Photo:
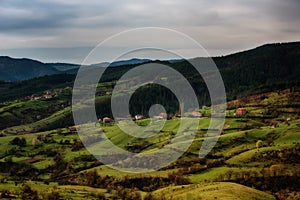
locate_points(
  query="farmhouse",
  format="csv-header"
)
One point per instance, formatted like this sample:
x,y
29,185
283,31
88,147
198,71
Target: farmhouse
x,y
74,128
196,114
35,97
158,117
139,117
163,115
241,111
107,120
47,95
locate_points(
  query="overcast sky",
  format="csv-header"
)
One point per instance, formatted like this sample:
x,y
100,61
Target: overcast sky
x,y
65,31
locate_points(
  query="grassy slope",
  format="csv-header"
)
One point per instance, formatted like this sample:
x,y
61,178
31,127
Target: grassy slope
x,y
212,191
65,191
47,123
237,147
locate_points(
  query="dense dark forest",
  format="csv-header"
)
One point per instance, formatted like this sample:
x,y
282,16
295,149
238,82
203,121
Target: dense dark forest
x,y
268,66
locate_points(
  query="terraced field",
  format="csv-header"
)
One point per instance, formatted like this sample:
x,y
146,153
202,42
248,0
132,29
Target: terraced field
x,y
53,163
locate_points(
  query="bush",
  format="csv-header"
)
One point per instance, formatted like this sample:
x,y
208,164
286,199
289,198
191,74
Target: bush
x,y
178,179
77,145
6,194
101,196
148,196
259,144
52,195
18,141
28,193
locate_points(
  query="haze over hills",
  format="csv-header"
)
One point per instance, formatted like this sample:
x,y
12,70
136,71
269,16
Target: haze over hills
x,y
106,100
64,66
267,65
282,59
272,64
13,69
256,156
18,69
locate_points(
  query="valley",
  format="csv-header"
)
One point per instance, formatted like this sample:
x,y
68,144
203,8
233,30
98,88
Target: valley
x,y
55,160
256,156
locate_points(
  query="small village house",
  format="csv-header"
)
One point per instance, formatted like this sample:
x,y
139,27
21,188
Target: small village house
x,y
163,115
195,114
74,128
158,117
241,111
35,97
139,117
47,95
107,120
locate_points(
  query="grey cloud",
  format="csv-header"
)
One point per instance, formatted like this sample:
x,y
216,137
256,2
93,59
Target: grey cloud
x,y
36,14
230,25
41,14
99,14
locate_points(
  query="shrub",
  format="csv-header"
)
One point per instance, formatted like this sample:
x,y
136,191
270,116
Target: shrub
x,y
52,195
148,196
259,144
18,141
77,145
28,193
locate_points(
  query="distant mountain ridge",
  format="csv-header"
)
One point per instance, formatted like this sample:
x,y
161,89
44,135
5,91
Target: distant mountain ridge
x,y
64,66
13,69
133,61
271,66
278,59
19,69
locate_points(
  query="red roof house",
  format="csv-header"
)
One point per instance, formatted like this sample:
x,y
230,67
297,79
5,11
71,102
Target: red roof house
x,y
107,120
47,95
241,111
